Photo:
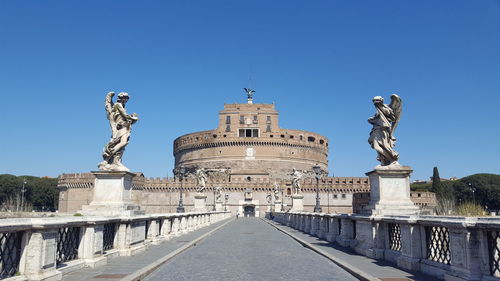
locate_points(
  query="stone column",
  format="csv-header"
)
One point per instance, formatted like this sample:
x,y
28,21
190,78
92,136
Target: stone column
x,y
411,247
298,203
92,252
390,191
465,254
314,225
347,232
323,226
369,238
332,229
277,206
200,202
40,258
112,195
307,226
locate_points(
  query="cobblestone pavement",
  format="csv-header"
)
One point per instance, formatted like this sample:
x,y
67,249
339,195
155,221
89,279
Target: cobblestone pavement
x,y
249,249
124,266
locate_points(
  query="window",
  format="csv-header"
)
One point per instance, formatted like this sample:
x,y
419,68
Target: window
x,y
228,128
335,196
255,120
268,119
288,192
242,119
311,139
268,128
249,133
343,196
228,119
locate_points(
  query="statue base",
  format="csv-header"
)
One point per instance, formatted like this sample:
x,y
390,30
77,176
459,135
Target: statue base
x,y
218,206
297,203
200,202
112,195
390,191
277,206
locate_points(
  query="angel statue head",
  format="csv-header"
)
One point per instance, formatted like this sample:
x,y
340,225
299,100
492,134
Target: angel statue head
x,y
123,97
378,99
384,123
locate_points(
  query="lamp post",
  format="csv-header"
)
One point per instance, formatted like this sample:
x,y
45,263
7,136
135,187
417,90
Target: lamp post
x,y
282,198
182,171
22,194
317,171
226,198
473,189
214,199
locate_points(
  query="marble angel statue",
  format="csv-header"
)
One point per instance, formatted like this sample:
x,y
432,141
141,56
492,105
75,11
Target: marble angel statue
x,y
384,123
121,125
296,176
201,180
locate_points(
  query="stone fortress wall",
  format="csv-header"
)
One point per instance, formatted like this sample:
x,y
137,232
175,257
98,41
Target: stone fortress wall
x,y
162,194
159,195
249,141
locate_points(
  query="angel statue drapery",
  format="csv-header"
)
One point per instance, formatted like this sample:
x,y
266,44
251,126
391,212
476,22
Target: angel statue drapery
x,y
121,125
384,123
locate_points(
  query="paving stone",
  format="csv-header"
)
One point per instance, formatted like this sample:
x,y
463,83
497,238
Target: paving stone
x,y
249,249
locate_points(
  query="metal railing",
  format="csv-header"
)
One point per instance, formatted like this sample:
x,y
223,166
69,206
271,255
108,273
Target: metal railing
x,y
494,252
394,231
68,242
109,234
10,253
438,244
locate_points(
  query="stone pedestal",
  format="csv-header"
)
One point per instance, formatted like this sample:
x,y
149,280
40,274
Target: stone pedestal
x,y
112,195
390,191
218,206
200,202
297,202
277,206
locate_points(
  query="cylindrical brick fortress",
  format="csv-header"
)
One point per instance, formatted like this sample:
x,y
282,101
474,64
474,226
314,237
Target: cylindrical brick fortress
x,y
249,141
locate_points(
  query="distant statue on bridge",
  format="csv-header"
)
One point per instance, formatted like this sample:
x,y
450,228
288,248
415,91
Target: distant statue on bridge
x,y
384,123
121,125
296,176
276,192
269,198
218,194
201,180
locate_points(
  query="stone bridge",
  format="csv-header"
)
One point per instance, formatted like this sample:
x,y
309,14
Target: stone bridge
x,y
217,246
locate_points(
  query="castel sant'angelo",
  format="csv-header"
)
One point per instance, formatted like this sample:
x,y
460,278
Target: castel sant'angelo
x,y
247,164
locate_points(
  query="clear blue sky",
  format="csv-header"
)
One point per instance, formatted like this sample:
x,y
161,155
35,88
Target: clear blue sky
x,y
321,62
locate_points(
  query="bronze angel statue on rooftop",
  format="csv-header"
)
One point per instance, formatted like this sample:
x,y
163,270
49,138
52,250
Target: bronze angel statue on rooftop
x,y
384,123
121,125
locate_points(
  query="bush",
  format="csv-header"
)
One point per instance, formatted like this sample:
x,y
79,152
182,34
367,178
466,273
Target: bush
x,y
470,209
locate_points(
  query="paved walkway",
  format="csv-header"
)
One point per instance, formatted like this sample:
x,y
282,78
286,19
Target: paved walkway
x,y
249,249
121,267
377,268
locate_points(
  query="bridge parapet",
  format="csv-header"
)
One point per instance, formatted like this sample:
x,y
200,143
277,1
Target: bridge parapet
x,y
48,248
451,248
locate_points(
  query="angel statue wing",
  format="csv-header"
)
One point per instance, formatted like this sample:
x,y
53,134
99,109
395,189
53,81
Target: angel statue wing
x,y
396,106
108,105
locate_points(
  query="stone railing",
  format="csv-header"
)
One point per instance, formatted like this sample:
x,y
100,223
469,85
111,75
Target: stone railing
x,y
48,248
451,248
